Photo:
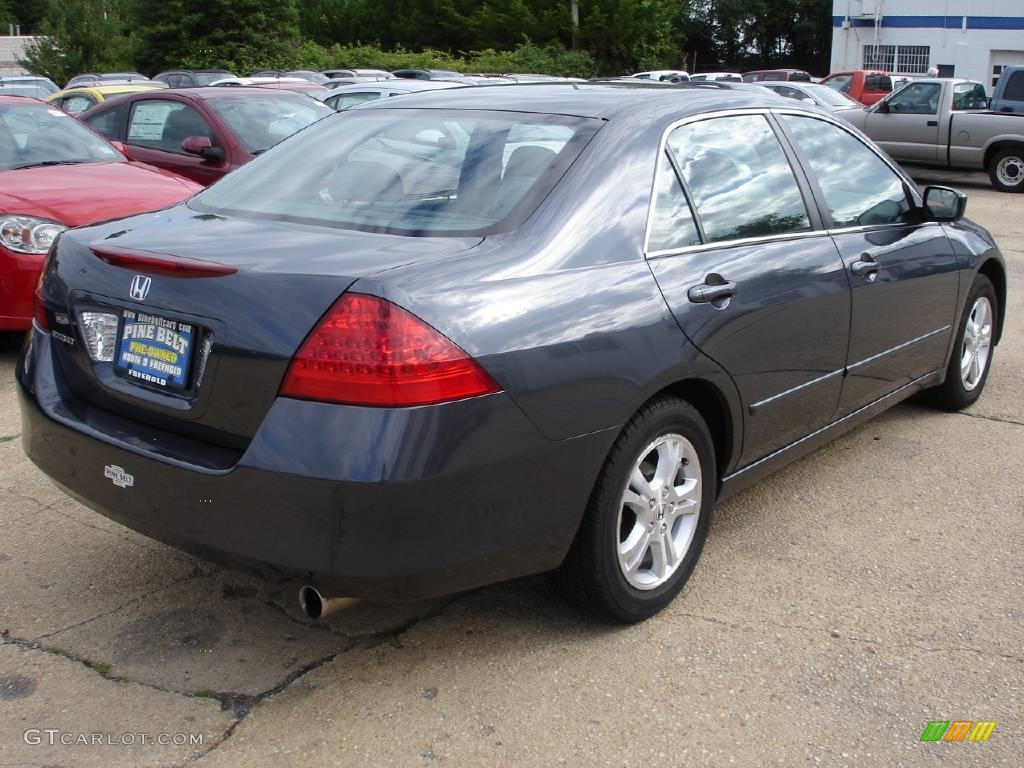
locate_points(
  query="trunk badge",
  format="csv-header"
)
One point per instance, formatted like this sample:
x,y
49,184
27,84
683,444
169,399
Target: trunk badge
x,y
140,287
117,474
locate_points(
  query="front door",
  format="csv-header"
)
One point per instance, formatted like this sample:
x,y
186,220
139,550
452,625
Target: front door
x,y
903,272
156,130
909,130
752,278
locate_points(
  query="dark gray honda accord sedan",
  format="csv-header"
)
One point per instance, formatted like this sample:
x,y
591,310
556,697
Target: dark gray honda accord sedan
x,y
492,332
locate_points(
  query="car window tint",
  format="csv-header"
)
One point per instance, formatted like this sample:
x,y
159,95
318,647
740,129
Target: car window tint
x,y
77,103
164,125
969,96
789,93
346,100
741,182
105,123
859,188
841,83
672,224
410,171
916,99
1014,90
878,83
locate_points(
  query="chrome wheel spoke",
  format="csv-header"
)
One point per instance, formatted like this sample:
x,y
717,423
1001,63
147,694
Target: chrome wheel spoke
x,y
633,549
670,457
639,484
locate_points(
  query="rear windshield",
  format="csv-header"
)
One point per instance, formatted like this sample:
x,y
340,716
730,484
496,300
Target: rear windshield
x,y
33,135
409,171
260,122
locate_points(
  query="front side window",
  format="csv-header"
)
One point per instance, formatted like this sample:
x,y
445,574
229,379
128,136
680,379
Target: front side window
x,y
413,172
672,224
741,182
106,122
859,188
40,134
916,99
164,125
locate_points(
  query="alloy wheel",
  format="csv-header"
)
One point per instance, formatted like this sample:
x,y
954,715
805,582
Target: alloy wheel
x,y
659,511
977,344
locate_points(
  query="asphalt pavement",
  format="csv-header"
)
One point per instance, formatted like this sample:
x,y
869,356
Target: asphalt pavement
x,y
840,605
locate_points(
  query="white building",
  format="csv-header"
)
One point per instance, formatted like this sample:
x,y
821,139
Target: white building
x,y
12,49
962,38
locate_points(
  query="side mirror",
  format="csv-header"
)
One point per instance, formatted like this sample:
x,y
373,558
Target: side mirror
x,y
944,204
202,146
883,107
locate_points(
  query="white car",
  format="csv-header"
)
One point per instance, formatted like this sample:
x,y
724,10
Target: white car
x,y
732,77
675,75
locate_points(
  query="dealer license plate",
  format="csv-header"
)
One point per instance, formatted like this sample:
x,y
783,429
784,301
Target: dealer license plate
x,y
155,350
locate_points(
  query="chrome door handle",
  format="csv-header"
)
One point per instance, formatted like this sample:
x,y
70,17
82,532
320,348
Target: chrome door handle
x,y
714,288
865,266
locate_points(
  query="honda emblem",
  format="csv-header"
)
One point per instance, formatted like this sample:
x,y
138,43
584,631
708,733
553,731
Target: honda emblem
x,y
140,287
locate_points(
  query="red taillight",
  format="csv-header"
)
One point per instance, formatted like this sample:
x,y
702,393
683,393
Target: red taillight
x,y
368,351
160,263
39,309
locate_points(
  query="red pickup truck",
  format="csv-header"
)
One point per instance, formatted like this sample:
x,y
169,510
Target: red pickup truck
x,y
865,85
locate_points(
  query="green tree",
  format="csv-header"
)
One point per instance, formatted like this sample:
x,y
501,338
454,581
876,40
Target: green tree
x,y
28,14
241,35
81,36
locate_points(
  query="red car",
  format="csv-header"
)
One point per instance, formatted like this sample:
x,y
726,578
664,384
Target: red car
x,y
865,85
55,173
203,133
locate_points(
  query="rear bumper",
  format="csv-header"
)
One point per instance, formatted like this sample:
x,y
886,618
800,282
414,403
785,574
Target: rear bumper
x,y
386,504
19,273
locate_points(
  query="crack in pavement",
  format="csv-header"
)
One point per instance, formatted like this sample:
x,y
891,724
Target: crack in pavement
x,y
7,439
241,704
117,608
244,704
990,418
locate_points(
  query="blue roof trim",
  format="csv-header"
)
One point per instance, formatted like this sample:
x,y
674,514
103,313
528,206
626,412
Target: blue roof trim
x,y
938,22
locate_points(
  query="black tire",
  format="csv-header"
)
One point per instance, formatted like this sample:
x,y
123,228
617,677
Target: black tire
x,y
1012,160
591,574
952,394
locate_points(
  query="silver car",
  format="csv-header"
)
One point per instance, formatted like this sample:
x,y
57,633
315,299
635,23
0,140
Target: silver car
x,y
824,96
347,96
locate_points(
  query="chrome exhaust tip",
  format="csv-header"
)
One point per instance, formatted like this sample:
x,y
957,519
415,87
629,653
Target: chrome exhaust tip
x,y
316,606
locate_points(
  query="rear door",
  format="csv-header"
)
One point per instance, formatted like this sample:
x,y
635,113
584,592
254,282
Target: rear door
x,y
751,276
909,128
156,129
903,271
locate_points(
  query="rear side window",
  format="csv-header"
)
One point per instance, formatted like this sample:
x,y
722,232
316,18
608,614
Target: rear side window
x,y
672,224
969,96
78,103
859,188
1015,87
881,83
741,182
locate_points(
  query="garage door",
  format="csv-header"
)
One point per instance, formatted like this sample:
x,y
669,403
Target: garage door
x,y
1001,59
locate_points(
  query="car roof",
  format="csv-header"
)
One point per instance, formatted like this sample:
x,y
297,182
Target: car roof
x,y
109,90
594,100
14,98
219,92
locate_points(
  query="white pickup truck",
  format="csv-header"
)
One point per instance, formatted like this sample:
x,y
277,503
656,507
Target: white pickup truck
x,y
945,122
